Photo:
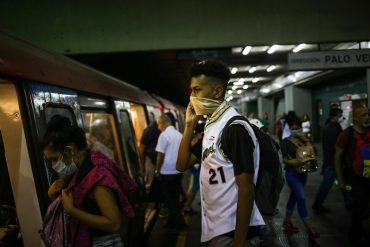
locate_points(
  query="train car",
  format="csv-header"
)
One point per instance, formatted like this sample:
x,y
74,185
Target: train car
x,y
35,85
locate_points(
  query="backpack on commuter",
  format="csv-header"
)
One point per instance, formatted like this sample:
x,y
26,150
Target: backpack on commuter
x,y
270,179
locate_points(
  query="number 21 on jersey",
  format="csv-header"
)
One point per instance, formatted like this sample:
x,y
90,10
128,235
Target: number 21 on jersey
x,y
216,175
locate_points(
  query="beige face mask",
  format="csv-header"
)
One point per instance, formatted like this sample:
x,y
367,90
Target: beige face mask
x,y
204,106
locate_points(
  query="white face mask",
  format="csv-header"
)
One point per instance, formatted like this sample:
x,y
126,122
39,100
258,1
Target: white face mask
x,y
63,170
204,106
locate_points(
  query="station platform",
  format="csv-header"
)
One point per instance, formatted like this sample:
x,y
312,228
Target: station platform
x,y
332,227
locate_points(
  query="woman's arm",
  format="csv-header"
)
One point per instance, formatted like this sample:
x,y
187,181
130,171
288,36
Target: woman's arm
x,y
109,221
292,162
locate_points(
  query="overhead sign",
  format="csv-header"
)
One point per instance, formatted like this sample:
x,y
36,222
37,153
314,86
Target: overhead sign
x,y
329,60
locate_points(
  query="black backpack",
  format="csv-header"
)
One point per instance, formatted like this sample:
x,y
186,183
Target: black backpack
x,y
270,180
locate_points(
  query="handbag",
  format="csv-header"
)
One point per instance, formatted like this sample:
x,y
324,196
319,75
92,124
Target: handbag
x,y
55,230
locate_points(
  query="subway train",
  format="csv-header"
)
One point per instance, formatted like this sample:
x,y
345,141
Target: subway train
x,y
35,85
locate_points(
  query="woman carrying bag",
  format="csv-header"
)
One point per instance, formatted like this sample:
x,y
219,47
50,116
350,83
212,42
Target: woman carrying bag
x,y
95,198
299,158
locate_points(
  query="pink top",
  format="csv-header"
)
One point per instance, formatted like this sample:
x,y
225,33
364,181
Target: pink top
x,y
104,173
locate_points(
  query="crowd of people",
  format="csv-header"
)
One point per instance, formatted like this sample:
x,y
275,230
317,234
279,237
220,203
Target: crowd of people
x,y
224,163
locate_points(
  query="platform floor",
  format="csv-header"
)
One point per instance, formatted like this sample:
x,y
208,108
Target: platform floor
x,y
332,227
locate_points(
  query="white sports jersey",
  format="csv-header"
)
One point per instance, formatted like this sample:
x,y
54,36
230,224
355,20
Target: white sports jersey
x,y
219,192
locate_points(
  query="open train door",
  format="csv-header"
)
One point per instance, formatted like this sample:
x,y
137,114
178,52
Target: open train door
x,y
16,160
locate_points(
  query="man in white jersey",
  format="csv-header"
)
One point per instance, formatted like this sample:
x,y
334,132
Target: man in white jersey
x,y
228,168
167,148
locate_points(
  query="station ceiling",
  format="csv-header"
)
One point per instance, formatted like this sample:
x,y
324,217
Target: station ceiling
x,y
151,44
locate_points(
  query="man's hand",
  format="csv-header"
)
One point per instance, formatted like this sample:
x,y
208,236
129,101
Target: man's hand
x,y
191,118
56,188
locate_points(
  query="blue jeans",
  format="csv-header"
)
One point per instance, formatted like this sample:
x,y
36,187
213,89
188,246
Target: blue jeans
x,y
296,182
325,185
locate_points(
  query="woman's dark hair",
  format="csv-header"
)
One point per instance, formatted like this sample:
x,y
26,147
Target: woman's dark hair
x,y
60,133
292,118
211,68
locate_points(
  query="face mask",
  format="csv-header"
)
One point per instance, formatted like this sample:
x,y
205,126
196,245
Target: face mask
x,y
295,132
64,170
204,106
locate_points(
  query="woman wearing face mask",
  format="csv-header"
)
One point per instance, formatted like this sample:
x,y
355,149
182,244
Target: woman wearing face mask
x,y
95,194
296,177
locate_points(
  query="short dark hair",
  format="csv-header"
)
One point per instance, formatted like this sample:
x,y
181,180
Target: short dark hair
x,y
292,119
211,68
335,112
60,133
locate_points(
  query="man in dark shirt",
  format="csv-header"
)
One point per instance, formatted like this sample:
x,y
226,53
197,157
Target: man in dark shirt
x,y
147,151
331,132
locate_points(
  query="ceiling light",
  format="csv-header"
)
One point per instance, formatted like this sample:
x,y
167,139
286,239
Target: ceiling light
x,y
278,85
234,87
229,92
251,70
245,87
299,47
234,70
246,50
265,90
270,68
272,49
256,79
239,91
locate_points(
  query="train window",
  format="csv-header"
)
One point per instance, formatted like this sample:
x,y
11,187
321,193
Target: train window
x,y
102,135
138,120
51,109
129,140
153,113
90,102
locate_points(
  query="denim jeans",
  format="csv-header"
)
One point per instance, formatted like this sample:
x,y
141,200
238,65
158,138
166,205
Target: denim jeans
x,y
325,185
296,182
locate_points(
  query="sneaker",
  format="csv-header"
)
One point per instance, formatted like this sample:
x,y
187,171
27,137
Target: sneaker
x,y
312,233
320,209
287,225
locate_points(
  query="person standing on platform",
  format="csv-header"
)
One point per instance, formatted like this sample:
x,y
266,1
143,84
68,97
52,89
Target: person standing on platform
x,y
229,168
352,165
167,149
296,175
330,135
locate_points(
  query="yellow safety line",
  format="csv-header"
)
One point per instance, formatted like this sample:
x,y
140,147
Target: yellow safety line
x,y
181,237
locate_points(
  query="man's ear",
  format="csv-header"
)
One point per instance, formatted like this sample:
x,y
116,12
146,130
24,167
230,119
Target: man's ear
x,y
220,92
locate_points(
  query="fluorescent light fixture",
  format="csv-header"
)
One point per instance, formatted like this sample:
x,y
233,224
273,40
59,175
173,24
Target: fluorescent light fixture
x,y
278,85
292,78
256,79
229,92
234,87
246,50
253,69
239,82
99,103
234,70
239,91
270,68
272,49
265,90
299,47
245,87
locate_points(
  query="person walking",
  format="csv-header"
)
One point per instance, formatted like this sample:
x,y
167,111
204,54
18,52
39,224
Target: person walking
x,y
331,132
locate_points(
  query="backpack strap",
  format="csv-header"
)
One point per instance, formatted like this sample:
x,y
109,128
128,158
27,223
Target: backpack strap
x,y
249,127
